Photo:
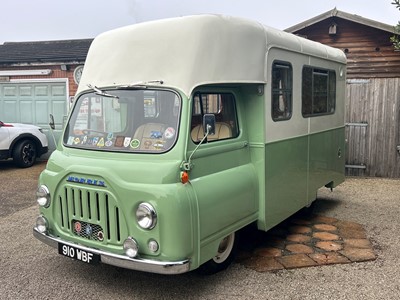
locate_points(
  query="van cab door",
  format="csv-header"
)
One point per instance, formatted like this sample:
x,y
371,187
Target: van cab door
x,y
222,176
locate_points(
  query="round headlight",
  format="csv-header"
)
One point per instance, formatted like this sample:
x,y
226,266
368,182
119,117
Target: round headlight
x,y
146,216
41,224
43,196
131,247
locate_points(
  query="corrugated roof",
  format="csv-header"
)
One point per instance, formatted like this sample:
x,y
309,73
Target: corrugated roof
x,y
343,15
44,51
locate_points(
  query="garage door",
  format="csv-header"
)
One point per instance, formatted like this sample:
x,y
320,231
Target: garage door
x,y
32,102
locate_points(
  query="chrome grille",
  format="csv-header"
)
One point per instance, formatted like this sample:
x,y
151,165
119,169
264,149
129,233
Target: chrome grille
x,y
92,208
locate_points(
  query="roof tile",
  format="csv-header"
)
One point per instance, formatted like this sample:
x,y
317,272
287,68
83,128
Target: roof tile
x,y
44,51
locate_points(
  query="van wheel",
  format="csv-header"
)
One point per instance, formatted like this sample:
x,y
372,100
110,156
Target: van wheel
x,y
24,154
225,255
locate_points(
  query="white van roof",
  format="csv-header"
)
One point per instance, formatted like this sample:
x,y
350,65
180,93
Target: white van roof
x,y
190,51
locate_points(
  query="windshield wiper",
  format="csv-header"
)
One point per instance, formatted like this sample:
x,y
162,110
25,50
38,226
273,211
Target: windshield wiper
x,y
144,84
101,93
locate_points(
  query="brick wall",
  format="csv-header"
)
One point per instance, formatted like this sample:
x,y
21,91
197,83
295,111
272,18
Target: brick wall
x,y
56,73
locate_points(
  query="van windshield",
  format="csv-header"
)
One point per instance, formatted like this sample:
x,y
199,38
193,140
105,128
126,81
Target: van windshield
x,y
124,121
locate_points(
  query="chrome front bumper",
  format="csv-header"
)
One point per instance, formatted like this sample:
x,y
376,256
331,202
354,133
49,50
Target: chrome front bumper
x,y
138,264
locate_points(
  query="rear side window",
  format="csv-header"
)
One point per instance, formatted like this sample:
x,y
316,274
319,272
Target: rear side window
x,y
222,105
282,86
318,91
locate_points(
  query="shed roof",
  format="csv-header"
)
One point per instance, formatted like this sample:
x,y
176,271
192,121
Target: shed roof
x,y
343,15
44,51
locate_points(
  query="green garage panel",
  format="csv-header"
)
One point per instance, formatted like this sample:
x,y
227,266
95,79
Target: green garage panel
x,y
32,103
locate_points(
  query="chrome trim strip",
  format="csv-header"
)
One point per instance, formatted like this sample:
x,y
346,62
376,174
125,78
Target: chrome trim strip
x,y
138,264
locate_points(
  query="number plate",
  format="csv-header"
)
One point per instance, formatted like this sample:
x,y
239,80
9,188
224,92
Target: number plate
x,y
78,254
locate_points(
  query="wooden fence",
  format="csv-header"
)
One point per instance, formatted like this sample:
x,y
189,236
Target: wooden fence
x,y
373,127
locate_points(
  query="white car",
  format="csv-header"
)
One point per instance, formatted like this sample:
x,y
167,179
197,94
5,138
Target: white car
x,y
22,142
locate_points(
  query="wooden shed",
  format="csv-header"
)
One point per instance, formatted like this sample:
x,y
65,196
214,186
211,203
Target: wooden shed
x,y
373,89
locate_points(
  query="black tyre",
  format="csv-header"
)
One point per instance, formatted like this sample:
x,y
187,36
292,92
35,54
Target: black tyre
x,y
24,154
225,256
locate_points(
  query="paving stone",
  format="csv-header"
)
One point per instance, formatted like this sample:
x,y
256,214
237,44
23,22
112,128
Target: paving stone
x,y
357,254
349,225
329,246
357,243
325,227
296,261
351,230
323,219
268,252
299,229
352,233
329,258
299,238
325,236
263,264
299,248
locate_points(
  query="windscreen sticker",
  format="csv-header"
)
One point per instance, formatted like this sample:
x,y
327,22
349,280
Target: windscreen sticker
x,y
169,133
135,143
84,140
147,144
109,142
127,141
119,141
70,140
77,141
155,134
95,140
158,145
100,143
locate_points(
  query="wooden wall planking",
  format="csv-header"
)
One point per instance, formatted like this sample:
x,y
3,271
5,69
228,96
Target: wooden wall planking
x,y
375,101
368,50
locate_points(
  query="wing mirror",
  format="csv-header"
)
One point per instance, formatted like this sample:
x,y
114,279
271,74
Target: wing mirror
x,y
209,124
51,124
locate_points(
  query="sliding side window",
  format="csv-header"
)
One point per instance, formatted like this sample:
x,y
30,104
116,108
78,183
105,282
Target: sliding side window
x,y
318,92
282,78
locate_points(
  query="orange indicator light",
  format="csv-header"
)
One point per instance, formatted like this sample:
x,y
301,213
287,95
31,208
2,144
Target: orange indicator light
x,y
184,177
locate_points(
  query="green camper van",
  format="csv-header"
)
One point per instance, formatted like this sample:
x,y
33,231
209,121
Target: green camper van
x,y
184,131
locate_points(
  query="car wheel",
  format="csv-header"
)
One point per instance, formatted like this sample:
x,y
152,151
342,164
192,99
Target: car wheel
x,y
225,255
24,154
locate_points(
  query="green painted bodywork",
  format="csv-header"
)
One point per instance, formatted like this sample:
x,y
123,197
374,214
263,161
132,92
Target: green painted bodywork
x,y
296,168
233,183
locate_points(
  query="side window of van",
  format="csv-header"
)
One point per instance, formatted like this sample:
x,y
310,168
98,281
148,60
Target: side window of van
x,y
222,105
282,86
318,91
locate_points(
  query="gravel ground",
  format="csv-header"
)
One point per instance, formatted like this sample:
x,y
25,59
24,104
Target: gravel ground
x,y
32,270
